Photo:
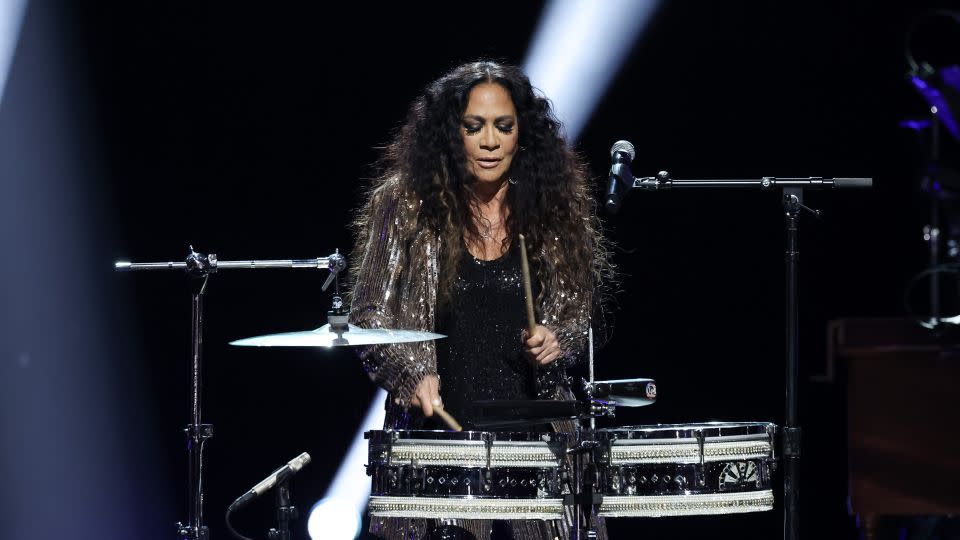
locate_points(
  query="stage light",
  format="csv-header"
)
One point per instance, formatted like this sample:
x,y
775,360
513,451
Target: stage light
x,y
11,16
338,515
76,433
578,48
334,518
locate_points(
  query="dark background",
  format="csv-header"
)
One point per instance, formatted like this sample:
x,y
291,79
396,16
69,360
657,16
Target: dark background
x,y
246,130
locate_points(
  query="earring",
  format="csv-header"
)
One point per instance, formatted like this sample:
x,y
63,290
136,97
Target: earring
x,y
511,180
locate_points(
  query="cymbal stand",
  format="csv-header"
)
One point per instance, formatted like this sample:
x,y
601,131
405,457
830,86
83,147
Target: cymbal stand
x,y
199,267
792,200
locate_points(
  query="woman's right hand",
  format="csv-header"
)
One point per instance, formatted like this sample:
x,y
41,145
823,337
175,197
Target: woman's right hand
x,y
427,395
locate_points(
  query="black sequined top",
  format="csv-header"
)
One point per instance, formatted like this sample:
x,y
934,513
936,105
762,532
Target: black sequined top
x,y
482,356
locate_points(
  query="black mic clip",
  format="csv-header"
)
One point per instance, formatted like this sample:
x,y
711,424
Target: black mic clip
x,y
653,183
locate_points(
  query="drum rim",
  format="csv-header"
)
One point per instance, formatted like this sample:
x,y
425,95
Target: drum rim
x,y
468,435
710,428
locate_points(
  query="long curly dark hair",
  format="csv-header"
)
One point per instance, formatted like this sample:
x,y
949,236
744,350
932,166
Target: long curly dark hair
x,y
550,202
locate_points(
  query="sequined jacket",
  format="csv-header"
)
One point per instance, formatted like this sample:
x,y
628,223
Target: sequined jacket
x,y
395,286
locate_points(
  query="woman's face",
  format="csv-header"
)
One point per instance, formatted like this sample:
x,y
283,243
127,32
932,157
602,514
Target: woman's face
x,y
490,132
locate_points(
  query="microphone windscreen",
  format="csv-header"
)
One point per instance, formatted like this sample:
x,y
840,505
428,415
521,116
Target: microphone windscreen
x,y
625,147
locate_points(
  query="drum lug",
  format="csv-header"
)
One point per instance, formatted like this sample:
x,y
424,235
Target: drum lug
x,y
701,474
606,453
771,437
488,442
417,476
394,437
619,483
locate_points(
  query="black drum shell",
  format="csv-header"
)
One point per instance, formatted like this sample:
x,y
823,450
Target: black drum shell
x,y
445,478
684,479
475,482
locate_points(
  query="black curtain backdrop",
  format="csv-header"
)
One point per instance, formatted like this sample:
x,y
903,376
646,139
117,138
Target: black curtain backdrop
x,y
246,130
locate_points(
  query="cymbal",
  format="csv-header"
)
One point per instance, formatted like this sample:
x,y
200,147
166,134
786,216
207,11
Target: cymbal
x,y
327,337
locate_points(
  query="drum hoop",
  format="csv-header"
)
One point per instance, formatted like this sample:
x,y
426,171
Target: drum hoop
x,y
693,440
686,505
465,508
455,437
710,430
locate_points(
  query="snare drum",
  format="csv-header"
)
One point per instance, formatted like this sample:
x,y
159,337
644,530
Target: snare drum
x,y
466,474
685,469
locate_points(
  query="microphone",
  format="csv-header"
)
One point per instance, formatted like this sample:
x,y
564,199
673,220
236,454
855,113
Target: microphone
x,y
622,153
275,478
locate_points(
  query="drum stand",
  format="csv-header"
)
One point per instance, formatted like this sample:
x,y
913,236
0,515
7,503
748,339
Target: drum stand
x,y
792,199
584,499
199,267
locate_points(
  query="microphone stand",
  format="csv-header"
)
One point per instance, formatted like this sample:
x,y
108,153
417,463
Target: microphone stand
x,y
792,199
286,512
199,268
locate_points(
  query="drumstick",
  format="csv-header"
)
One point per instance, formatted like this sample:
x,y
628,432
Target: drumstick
x,y
449,420
527,291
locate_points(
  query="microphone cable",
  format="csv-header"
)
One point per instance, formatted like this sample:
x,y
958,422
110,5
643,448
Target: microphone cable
x,y
230,525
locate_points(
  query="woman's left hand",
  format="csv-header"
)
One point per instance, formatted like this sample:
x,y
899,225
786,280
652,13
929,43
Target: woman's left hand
x,y
542,347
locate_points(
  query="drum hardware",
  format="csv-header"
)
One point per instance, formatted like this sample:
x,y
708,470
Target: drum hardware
x,y
622,392
584,497
602,400
622,180
523,413
199,268
338,332
701,441
488,442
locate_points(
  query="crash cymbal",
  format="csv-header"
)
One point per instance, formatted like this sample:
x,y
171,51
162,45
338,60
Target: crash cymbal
x,y
325,336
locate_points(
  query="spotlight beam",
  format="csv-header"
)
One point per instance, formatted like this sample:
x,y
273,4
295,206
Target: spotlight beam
x,y
11,17
578,48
